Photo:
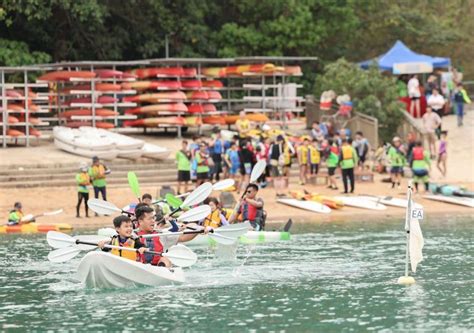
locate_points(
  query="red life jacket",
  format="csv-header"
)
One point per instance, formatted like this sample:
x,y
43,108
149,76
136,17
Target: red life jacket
x,y
153,244
250,212
418,154
335,150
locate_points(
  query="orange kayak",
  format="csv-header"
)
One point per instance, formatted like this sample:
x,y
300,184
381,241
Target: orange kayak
x,y
143,73
98,87
144,85
214,71
88,112
98,124
156,108
156,97
256,117
292,70
34,228
214,120
11,119
212,84
197,95
66,75
191,84
14,133
214,95
153,122
88,100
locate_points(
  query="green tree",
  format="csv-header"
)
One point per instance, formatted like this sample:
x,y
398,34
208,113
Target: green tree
x,y
372,93
13,53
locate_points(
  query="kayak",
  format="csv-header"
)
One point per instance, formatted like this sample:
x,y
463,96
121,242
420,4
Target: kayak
x,y
11,120
121,142
191,84
292,70
469,202
88,112
154,151
34,228
256,117
97,87
14,133
35,132
155,85
104,270
153,122
157,108
21,108
214,95
66,75
212,84
197,95
88,100
80,139
156,97
143,73
312,206
325,200
192,121
390,201
214,71
108,154
214,120
111,73
361,202
251,237
98,124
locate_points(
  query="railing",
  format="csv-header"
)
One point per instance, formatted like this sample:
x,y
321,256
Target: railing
x,y
367,125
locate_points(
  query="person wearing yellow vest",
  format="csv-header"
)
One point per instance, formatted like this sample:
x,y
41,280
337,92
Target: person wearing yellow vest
x,y
216,219
124,228
83,181
97,173
243,125
314,157
347,161
303,160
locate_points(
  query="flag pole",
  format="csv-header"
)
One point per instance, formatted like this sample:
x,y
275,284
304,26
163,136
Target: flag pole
x,y
406,279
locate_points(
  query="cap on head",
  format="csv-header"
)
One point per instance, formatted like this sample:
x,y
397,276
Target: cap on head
x,y
396,139
83,166
17,205
95,159
280,137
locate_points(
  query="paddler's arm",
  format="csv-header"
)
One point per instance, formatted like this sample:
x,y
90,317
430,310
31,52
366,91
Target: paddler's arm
x,y
256,203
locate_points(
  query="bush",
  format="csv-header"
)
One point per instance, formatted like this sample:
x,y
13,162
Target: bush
x,y
372,93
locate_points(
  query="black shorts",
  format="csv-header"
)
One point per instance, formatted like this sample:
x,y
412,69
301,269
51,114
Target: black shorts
x,y
414,98
331,171
184,176
202,175
396,170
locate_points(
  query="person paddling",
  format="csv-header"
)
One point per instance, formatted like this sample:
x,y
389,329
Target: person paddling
x,y
145,216
16,214
216,219
251,209
124,228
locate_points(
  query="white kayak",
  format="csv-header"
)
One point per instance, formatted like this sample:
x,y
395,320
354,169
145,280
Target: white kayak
x,y
122,142
104,270
312,206
76,138
250,237
390,201
154,151
132,154
102,154
468,202
361,202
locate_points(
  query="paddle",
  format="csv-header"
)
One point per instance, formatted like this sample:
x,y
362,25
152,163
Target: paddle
x,y
257,171
30,217
179,255
226,235
219,186
173,201
105,207
133,182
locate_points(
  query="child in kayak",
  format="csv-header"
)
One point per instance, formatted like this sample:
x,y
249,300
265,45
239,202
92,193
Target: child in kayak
x,y
124,228
216,219
16,215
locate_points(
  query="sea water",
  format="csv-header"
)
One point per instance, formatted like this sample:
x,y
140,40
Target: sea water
x,y
330,277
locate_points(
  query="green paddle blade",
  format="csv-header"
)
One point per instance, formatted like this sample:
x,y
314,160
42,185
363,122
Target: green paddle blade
x,y
173,201
133,182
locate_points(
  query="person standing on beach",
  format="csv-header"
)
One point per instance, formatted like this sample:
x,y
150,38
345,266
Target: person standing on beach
x,y
303,160
232,160
415,95
332,161
314,157
431,121
396,154
97,173
443,153
460,98
83,181
436,102
420,166
361,146
202,160
217,151
277,163
348,160
243,125
183,159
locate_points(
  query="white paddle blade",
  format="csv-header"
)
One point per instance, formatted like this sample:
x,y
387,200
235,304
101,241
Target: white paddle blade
x,y
27,218
195,214
103,207
59,240
221,239
106,232
257,170
233,230
62,255
181,256
223,184
198,195
54,212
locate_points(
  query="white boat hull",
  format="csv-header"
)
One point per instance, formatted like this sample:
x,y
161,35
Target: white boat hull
x,y
76,138
361,202
312,206
154,151
104,270
388,201
102,154
468,202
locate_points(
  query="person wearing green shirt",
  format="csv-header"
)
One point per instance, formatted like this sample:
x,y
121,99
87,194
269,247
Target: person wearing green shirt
x,y
16,214
396,154
83,181
97,173
348,160
332,160
202,160
183,157
420,165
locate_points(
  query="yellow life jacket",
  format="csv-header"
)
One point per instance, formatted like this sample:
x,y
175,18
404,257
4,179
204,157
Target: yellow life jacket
x,y
303,154
213,220
287,155
315,156
227,212
132,255
98,171
84,179
347,152
244,124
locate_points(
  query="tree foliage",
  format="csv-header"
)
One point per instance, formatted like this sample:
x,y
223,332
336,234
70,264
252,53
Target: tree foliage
x,y
372,93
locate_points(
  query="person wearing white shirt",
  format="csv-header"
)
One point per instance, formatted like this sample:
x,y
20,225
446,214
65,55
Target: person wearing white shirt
x,y
436,101
414,93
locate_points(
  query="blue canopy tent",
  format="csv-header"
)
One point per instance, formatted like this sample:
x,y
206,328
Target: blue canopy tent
x,y
401,60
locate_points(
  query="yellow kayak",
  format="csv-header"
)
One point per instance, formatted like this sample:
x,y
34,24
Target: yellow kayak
x,y
32,228
324,199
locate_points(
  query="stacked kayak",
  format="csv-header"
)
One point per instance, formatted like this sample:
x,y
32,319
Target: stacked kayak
x,y
104,270
34,228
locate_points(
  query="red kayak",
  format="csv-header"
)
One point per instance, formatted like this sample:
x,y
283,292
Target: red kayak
x,y
98,87
143,73
20,108
191,84
197,95
66,75
200,108
154,122
189,72
214,95
156,108
212,84
88,112
156,97
88,100
98,124
11,119
152,85
110,73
